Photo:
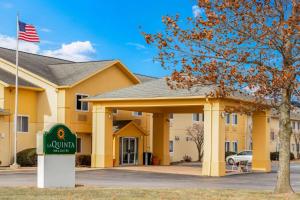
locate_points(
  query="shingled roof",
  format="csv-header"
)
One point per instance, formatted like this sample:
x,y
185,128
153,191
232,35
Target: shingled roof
x,y
34,63
158,88
10,79
58,71
145,78
70,73
152,89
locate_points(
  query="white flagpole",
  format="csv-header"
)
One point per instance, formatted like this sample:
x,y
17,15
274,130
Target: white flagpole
x,y
15,164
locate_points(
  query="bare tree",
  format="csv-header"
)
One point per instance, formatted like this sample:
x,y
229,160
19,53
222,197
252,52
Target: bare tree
x,y
196,132
238,44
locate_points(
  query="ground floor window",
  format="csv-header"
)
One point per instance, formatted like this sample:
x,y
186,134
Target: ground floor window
x,y
227,146
22,124
251,146
171,146
78,145
235,147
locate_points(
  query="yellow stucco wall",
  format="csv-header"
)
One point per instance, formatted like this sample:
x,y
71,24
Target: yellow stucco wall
x,y
81,121
183,146
27,107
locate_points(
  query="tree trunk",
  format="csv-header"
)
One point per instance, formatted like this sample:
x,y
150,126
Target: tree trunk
x,y
199,153
283,184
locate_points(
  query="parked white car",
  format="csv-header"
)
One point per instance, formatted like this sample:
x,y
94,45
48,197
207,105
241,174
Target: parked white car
x,y
242,156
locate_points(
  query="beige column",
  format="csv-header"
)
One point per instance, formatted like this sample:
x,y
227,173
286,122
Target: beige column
x,y
161,137
214,140
102,138
261,141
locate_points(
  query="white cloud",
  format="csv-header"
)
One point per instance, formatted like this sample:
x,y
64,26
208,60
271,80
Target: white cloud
x,y
197,11
75,51
136,45
10,42
46,30
6,5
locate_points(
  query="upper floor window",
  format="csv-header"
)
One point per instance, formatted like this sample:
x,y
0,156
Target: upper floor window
x,y
137,114
196,117
294,124
81,105
227,118
23,124
234,118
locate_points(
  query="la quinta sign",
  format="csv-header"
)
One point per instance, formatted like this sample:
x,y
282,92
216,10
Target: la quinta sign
x,y
56,149
59,140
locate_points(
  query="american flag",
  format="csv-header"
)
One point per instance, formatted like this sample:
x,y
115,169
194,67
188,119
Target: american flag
x,y
28,33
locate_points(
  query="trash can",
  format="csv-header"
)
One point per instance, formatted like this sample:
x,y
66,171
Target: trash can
x,y
147,158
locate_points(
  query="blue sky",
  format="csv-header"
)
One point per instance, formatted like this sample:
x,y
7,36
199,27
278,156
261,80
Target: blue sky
x,y
92,30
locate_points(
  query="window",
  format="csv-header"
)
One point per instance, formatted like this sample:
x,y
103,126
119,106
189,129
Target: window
x,y
227,118
171,116
272,136
80,105
202,116
114,111
294,124
234,119
251,146
171,146
196,117
137,114
227,146
22,124
235,147
78,145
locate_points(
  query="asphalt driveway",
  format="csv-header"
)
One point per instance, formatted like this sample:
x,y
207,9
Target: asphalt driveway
x,y
138,179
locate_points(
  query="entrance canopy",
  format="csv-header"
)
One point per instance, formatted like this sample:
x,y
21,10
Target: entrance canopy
x,y
158,98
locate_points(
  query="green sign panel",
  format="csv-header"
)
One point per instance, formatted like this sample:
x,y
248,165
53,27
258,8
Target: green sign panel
x,y
59,140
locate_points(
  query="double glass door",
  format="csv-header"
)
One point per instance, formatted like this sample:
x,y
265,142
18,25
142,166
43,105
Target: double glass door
x,y
128,151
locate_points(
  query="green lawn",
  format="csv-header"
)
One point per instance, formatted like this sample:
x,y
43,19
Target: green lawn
x,y
88,193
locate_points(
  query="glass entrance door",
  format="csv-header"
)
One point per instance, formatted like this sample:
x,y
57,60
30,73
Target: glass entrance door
x,y
129,151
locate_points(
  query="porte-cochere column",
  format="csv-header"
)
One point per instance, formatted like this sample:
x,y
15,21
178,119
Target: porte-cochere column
x,y
161,137
214,140
261,141
102,138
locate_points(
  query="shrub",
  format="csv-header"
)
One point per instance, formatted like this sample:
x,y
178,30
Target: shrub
x,y
83,160
229,153
187,158
275,156
27,158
